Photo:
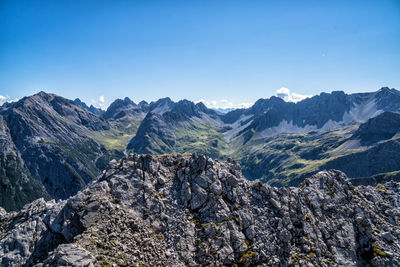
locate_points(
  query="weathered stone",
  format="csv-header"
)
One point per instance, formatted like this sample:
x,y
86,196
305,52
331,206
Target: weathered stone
x,y
70,255
131,217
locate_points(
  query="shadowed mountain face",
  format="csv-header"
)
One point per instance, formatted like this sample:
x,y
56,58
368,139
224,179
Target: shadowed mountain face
x,y
52,136
381,127
190,210
17,186
65,144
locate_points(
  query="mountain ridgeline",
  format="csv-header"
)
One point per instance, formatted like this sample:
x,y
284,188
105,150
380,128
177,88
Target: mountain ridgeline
x,y
191,210
53,147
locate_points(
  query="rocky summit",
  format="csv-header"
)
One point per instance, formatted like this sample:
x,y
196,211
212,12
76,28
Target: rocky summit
x,y
188,210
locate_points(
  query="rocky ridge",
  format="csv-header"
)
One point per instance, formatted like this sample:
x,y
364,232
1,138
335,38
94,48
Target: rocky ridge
x,y
178,210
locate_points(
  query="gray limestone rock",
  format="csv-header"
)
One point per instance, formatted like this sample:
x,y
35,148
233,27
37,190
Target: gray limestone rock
x,y
205,213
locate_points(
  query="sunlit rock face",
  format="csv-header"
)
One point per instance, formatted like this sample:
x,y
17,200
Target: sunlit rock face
x,y
179,210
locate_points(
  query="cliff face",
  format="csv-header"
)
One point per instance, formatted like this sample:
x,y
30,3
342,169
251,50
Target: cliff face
x,y
17,186
188,210
51,138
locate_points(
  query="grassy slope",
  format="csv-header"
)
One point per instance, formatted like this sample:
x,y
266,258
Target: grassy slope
x,y
191,137
286,159
118,136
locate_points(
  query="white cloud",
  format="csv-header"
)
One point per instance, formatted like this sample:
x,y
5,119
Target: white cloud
x,y
286,95
224,104
99,103
6,98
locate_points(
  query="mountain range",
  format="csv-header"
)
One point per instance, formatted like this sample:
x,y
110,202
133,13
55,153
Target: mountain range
x,y
53,147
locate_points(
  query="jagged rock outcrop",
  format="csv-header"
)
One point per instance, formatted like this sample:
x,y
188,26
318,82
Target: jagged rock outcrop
x,y
185,210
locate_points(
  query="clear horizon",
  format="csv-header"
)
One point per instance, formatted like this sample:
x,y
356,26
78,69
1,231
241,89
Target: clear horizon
x,y
228,53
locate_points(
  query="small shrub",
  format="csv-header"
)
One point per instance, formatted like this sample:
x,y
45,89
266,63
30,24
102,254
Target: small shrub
x,y
377,251
247,255
381,188
160,236
96,234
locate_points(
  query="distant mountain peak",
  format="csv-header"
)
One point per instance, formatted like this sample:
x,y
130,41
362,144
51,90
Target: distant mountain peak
x,y
143,103
129,101
123,107
165,100
92,108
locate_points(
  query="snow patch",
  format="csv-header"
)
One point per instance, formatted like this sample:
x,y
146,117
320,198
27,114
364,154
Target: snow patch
x,y
286,127
362,112
205,119
349,145
396,136
289,127
161,109
237,127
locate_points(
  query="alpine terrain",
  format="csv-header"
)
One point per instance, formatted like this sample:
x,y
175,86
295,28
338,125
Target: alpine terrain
x,y
53,147
188,210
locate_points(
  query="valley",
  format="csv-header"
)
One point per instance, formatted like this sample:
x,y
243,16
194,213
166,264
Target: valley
x,y
63,145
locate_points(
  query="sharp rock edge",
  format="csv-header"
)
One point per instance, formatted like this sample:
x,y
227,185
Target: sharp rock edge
x,y
185,210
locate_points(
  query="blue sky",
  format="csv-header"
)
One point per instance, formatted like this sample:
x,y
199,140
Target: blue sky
x,y
236,51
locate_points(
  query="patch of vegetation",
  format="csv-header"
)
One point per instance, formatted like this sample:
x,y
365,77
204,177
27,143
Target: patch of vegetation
x,y
195,221
247,255
158,194
184,137
159,236
96,234
381,188
378,251
118,136
296,257
287,159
